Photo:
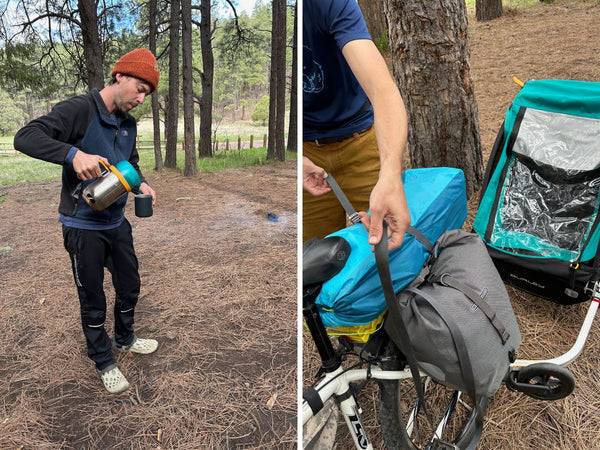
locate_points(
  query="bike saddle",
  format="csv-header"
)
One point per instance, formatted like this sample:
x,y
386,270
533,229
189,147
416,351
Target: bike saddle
x,y
323,258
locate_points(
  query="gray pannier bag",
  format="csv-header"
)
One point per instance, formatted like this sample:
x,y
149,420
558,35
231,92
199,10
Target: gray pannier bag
x,y
458,315
454,322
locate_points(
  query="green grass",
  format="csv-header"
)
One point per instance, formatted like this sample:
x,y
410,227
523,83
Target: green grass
x,y
220,161
23,169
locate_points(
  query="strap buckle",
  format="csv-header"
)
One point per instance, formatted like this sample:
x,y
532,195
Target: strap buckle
x,y
354,218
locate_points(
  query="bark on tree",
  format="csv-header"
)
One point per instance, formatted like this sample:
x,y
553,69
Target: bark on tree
x,y
189,139
153,31
430,55
208,69
292,143
172,110
373,13
488,9
92,50
276,148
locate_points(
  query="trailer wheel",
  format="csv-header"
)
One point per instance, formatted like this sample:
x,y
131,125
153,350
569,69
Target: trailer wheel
x,y
548,381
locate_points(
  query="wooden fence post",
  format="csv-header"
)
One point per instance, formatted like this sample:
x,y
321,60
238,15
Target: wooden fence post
x,y
265,140
227,144
239,143
217,145
251,141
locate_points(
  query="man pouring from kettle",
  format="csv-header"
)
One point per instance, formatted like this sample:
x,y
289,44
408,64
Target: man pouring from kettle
x,y
78,134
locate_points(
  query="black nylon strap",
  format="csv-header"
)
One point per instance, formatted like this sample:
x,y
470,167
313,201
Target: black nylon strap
x,y
398,333
337,190
476,298
312,397
420,237
354,218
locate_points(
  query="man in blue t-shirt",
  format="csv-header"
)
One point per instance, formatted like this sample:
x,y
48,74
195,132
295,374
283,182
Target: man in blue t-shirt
x,y
354,125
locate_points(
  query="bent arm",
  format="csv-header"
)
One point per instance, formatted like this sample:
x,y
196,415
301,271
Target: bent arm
x,y
387,199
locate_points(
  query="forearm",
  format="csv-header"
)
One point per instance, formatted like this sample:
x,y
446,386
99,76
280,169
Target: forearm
x,y
391,130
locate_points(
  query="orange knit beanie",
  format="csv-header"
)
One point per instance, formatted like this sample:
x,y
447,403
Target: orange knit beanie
x,y
139,63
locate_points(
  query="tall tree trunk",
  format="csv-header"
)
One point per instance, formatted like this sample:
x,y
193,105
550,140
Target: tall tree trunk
x,y
153,30
189,139
373,13
172,112
488,9
208,69
430,55
92,50
275,147
292,143
281,82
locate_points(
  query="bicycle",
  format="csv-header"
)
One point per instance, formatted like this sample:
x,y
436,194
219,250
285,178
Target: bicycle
x,y
381,361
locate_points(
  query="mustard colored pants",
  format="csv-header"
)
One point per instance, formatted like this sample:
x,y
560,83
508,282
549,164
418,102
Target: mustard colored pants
x,y
354,163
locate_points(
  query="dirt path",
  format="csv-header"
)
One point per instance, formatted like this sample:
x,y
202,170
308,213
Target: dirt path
x,y
218,292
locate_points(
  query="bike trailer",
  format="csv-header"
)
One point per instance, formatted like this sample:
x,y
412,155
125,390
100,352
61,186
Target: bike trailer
x,y
538,213
352,303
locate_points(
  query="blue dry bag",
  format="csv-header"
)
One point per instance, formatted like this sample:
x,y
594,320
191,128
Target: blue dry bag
x,y
437,202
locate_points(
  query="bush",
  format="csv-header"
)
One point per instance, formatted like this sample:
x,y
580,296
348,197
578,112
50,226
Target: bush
x,y
12,116
261,111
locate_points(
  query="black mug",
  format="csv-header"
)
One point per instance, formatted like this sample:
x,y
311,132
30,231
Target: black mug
x,y
143,205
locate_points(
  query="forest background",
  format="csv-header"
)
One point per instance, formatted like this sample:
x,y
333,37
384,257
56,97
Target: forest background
x,y
221,78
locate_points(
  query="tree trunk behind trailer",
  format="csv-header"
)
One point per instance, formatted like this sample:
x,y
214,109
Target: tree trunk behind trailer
x,y
373,13
488,9
430,55
172,112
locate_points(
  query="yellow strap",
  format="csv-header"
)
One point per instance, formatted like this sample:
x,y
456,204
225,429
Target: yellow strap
x,y
519,82
105,166
114,170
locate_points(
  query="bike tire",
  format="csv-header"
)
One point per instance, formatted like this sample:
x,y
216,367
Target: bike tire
x,y
390,409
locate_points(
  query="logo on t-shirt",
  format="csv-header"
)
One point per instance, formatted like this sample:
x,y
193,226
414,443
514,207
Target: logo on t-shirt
x,y
313,78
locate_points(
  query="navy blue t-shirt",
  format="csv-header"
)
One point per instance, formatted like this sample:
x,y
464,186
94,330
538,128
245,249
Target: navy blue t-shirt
x,y
332,97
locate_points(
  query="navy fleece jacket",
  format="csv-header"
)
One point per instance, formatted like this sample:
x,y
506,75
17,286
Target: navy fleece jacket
x,y
82,122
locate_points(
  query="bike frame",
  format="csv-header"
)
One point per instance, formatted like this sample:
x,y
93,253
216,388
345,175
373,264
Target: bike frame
x,y
337,384
572,354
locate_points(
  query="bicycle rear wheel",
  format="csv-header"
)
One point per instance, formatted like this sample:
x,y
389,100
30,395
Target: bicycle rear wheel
x,y
397,400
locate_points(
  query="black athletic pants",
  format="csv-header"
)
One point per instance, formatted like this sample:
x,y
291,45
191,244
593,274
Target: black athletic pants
x,y
91,251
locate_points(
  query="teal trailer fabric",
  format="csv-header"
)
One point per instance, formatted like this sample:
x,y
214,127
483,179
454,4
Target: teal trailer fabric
x,y
542,197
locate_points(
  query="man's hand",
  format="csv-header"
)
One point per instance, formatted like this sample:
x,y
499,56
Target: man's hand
x,y
387,202
87,166
313,178
146,189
